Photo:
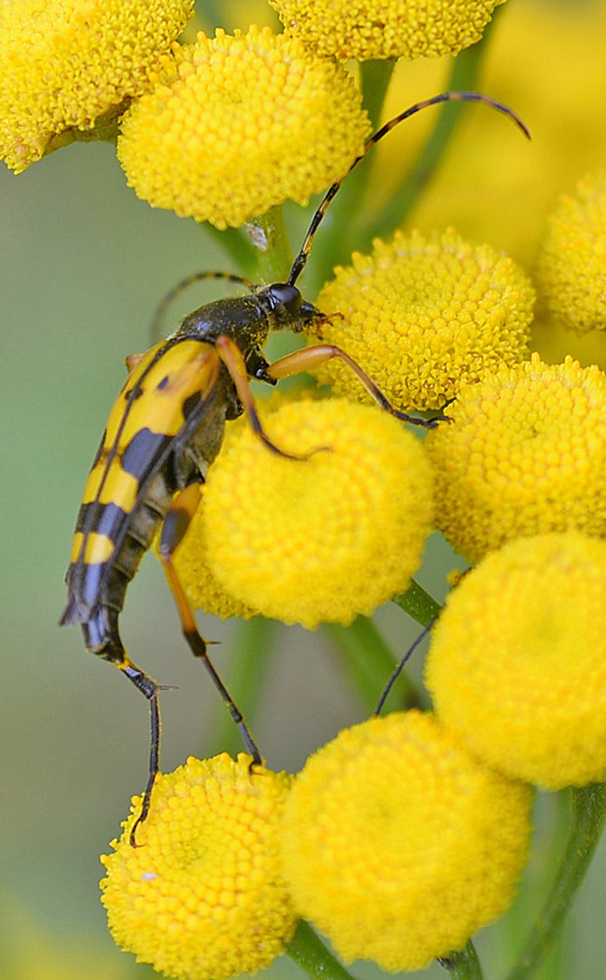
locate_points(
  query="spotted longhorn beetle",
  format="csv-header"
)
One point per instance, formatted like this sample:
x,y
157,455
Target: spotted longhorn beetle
x,y
164,431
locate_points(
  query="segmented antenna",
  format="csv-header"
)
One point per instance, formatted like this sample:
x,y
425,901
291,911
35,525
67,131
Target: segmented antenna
x,y
299,263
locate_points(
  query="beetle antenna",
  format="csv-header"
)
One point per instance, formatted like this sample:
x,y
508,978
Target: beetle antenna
x,y
301,259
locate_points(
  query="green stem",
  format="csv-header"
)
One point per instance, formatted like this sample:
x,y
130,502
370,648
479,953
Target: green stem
x,y
269,237
309,952
238,247
369,662
588,815
464,965
418,603
375,77
464,76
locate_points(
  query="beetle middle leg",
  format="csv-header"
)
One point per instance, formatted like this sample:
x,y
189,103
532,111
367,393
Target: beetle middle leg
x,y
175,525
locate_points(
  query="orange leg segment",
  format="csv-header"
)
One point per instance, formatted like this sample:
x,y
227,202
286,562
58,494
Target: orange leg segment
x,y
311,357
231,356
174,528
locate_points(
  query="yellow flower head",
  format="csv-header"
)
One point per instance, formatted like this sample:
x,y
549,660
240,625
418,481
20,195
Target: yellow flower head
x,y
203,589
525,454
67,62
236,125
398,844
324,538
517,663
366,29
422,314
571,271
202,897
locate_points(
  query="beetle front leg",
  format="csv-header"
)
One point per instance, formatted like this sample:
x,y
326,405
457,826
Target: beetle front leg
x,y
175,525
231,356
311,357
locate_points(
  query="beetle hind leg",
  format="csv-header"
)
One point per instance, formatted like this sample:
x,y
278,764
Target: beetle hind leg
x,y
175,525
102,637
150,689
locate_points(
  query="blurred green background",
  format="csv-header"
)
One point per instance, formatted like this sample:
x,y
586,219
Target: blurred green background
x,y
82,265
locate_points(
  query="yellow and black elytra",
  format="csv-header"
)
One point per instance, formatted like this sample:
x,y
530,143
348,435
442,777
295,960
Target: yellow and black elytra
x,y
163,432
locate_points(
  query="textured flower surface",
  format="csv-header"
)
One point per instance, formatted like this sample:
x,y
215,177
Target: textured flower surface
x,y
386,28
525,454
67,62
517,663
327,536
237,125
571,270
202,897
398,844
422,314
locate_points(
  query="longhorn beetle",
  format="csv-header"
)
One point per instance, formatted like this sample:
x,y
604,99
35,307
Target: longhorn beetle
x,y
165,429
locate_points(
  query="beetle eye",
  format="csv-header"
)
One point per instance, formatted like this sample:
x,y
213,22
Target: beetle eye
x,y
287,296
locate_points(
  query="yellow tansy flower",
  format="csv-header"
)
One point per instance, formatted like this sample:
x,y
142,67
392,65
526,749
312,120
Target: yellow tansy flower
x,y
525,454
422,314
202,897
366,29
517,663
571,270
398,844
202,587
67,62
236,125
324,538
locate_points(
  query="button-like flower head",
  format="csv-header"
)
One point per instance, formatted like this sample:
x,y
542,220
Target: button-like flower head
x,y
422,314
202,897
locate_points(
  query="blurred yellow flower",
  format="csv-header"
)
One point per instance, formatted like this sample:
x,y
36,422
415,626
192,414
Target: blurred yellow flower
x,y
571,268
202,897
398,844
324,538
517,664
366,29
67,62
237,125
493,185
422,314
524,455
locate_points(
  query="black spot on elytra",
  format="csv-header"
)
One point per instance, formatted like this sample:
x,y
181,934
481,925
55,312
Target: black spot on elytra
x,y
142,451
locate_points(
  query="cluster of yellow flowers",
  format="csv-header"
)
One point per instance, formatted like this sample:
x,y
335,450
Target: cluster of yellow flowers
x,y
405,834
394,840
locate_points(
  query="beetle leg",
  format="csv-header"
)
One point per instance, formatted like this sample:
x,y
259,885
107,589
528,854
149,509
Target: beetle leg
x,y
175,525
311,357
231,356
150,689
